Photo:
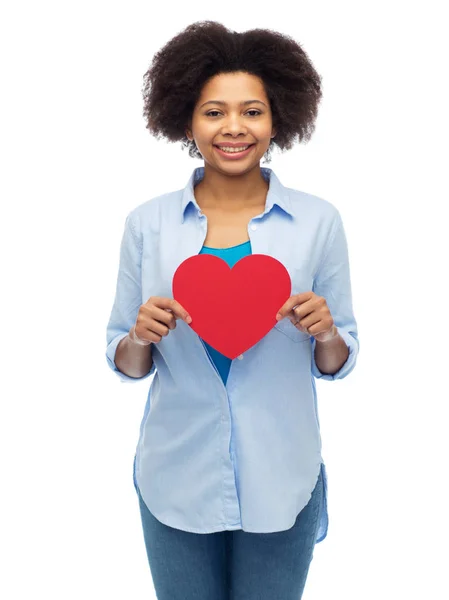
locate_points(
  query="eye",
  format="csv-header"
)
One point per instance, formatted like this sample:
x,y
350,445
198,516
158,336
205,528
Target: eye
x,y
253,110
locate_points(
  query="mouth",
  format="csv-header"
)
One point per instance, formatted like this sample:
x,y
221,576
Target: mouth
x,y
234,154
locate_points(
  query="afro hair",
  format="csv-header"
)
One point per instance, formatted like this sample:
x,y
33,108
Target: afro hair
x,y
179,70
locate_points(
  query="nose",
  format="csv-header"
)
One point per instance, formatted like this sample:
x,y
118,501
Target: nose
x,y
234,125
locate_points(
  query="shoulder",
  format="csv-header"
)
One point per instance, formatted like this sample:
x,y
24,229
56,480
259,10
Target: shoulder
x,y
311,206
149,215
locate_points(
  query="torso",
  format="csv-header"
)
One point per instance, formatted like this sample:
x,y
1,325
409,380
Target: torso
x,y
227,229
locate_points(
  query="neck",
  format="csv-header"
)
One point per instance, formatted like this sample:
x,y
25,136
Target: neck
x,y
231,192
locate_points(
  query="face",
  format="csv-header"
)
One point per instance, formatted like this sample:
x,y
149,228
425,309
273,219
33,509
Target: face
x,y
232,108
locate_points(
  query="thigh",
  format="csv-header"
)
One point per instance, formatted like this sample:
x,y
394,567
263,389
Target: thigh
x,y
265,566
184,565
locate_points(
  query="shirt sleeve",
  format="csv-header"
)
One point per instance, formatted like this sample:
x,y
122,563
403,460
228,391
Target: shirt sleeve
x,y
128,297
333,282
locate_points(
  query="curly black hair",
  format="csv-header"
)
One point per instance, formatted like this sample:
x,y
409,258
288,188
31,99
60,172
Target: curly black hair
x,y
204,49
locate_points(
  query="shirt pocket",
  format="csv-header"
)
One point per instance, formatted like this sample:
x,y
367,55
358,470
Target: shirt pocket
x,y
286,327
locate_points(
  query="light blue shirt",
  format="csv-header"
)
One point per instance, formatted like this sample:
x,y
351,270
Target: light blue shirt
x,y
245,455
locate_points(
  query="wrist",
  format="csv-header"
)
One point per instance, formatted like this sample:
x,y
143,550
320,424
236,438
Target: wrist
x,y
329,336
136,340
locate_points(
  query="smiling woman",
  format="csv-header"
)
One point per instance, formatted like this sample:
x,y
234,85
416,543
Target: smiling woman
x,y
228,469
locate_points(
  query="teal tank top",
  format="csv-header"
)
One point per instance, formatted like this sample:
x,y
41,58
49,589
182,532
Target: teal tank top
x,y
231,256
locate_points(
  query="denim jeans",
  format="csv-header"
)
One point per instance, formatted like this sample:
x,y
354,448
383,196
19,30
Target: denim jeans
x,y
231,565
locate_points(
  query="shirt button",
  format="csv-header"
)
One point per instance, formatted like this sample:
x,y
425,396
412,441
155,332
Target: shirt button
x,y
254,227
240,357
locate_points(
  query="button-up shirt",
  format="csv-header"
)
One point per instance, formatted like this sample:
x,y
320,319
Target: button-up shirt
x,y
245,454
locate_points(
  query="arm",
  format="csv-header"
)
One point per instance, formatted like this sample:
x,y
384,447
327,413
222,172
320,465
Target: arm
x,y
336,358
134,360
129,361
331,355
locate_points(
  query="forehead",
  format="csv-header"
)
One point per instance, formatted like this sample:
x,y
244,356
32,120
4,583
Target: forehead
x,y
233,88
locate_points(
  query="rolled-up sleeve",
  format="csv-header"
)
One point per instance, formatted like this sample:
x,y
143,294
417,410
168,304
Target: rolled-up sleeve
x,y
128,295
333,282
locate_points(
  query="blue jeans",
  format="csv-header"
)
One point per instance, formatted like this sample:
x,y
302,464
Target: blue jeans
x,y
231,565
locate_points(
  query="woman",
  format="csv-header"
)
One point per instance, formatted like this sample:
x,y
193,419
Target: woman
x,y
228,470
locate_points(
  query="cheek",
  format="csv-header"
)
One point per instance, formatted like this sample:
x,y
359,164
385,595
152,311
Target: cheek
x,y
201,128
262,130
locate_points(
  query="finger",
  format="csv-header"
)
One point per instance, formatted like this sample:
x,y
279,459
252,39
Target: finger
x,y
295,320
179,311
293,317
163,315
288,306
297,314
172,305
295,300
149,336
158,328
144,333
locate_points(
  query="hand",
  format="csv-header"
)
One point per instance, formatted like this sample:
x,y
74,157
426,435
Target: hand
x,y
155,319
310,314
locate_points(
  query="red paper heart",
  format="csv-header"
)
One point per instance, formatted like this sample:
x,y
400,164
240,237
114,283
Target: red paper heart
x,y
232,309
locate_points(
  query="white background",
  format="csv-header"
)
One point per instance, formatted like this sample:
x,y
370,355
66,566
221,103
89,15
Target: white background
x,y
76,158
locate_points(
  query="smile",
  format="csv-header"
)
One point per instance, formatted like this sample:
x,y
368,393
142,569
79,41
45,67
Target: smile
x,y
233,153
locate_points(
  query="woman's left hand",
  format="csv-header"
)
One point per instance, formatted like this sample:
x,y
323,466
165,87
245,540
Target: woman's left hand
x,y
310,314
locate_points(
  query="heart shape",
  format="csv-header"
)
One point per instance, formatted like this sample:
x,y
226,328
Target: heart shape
x,y
232,309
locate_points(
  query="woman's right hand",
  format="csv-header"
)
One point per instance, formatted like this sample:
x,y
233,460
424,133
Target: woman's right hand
x,y
155,319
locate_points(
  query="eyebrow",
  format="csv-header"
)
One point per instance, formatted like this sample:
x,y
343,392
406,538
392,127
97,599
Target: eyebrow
x,y
244,103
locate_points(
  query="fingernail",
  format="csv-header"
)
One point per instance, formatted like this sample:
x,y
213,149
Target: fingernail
x,y
278,317
189,319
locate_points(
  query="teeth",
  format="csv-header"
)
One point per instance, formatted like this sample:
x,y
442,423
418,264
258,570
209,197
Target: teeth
x,y
228,149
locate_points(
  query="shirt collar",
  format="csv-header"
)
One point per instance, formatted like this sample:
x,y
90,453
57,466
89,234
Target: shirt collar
x,y
277,193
